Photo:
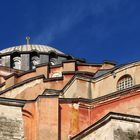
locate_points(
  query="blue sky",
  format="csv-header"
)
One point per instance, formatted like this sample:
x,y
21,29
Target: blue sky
x,y
96,30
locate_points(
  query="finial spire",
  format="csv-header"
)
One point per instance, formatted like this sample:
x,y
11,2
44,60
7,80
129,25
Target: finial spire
x,y
28,40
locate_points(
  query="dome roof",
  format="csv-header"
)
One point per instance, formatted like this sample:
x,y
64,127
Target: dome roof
x,y
30,48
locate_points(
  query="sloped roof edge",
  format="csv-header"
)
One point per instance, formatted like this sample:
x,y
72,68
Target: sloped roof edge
x,y
104,120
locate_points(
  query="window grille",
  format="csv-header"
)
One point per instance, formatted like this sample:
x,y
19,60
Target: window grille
x,y
125,82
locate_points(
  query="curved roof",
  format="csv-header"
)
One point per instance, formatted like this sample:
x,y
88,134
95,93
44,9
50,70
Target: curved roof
x,y
28,48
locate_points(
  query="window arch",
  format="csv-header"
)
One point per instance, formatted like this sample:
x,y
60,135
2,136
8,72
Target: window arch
x,y
57,74
53,61
34,60
124,82
16,60
53,58
17,63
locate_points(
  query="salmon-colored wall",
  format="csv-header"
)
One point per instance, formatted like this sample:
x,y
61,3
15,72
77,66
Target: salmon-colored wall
x,y
25,77
65,116
31,90
30,117
49,72
43,70
107,66
74,120
41,119
39,71
69,66
129,104
5,72
88,68
63,119
10,82
48,119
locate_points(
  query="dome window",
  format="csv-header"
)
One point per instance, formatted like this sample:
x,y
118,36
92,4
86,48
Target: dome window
x,y
16,60
53,58
52,61
34,60
17,63
125,82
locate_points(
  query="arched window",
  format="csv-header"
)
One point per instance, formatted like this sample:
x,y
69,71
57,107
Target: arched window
x,y
57,74
16,60
53,58
17,63
34,59
53,61
124,82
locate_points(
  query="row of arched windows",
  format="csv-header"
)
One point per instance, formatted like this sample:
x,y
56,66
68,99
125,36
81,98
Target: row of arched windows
x,y
34,60
16,62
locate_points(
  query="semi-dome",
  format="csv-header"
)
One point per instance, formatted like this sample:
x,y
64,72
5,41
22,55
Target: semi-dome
x,y
30,48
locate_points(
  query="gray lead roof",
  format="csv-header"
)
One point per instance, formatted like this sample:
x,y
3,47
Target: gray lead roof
x,y
26,48
101,72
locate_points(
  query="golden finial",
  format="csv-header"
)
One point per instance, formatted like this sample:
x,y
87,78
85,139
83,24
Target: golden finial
x,y
28,40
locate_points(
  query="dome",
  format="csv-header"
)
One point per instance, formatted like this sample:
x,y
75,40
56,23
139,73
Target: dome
x,y
30,48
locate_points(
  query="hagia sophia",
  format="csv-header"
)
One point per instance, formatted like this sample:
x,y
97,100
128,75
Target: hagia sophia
x,y
46,94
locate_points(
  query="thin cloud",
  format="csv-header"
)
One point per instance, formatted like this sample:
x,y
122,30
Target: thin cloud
x,y
69,18
61,24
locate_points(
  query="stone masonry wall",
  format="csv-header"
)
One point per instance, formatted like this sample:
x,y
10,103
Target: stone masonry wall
x,y
11,123
116,130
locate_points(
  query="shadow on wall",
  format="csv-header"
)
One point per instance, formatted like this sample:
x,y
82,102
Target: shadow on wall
x,y
119,134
